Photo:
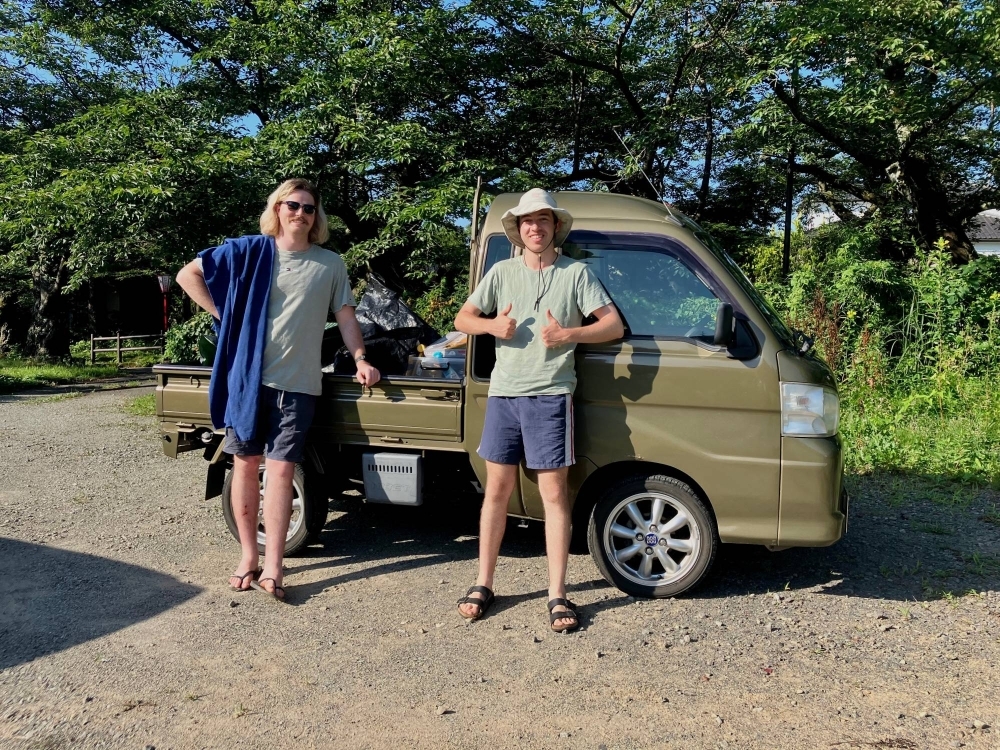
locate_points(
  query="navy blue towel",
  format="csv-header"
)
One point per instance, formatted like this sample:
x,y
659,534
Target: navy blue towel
x,y
238,276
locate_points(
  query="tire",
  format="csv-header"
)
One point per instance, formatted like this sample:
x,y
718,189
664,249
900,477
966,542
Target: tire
x,y
309,508
660,565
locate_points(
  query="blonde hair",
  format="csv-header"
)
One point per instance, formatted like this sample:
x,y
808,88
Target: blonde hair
x,y
269,223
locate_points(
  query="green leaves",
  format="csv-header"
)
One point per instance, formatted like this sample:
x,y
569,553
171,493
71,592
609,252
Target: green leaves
x,y
134,133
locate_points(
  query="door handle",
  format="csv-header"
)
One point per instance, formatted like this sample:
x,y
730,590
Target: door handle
x,y
435,393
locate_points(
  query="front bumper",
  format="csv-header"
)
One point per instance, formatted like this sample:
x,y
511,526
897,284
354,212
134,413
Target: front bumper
x,y
813,505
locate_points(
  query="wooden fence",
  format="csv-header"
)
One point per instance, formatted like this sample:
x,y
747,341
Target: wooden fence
x,y
118,348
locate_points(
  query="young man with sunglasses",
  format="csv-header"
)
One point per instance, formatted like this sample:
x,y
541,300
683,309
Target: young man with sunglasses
x,y
270,294
541,298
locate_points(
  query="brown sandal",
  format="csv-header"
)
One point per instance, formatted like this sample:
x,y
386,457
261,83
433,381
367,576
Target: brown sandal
x,y
566,614
483,604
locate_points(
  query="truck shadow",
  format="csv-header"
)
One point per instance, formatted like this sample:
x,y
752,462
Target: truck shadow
x,y
909,540
387,538
52,599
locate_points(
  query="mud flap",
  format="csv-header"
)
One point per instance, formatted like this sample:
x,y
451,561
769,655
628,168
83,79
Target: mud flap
x,y
215,479
217,465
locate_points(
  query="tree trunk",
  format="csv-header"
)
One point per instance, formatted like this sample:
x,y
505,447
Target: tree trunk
x,y
48,334
5,332
706,172
933,214
786,245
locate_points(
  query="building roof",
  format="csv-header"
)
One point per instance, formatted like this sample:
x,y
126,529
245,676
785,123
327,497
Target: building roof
x,y
985,227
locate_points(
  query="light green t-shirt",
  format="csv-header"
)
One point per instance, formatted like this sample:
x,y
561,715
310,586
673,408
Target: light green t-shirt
x,y
525,366
304,285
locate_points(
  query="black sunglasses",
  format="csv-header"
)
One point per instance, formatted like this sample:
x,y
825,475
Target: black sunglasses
x,y
307,208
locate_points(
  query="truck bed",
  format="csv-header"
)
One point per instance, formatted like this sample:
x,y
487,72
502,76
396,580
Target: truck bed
x,y
400,411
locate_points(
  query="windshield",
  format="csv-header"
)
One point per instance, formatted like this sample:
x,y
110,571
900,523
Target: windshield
x,y
781,330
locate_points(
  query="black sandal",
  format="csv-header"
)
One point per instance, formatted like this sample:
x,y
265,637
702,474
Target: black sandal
x,y
567,614
273,594
483,604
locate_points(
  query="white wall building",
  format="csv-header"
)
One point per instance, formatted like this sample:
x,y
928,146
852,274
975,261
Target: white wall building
x,y
985,232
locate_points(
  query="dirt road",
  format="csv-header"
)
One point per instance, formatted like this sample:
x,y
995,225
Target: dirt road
x,y
117,628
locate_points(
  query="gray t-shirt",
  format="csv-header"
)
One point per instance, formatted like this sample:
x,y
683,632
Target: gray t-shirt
x,y
304,285
525,366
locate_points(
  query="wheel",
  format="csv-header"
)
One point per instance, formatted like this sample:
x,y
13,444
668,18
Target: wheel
x,y
652,536
309,508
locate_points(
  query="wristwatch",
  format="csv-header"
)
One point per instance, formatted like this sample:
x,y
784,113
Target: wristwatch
x,y
361,358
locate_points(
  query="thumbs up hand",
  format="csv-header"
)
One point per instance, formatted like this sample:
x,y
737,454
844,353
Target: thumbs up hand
x,y
553,334
504,327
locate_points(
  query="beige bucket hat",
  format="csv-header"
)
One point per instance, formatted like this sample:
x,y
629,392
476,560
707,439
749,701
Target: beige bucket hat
x,y
536,199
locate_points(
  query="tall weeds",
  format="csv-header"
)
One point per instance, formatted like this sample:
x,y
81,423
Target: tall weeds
x,y
916,349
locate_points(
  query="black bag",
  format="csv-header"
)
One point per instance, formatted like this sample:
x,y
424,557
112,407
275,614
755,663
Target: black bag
x,y
390,329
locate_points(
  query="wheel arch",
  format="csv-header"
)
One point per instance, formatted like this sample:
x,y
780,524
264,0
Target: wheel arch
x,y
610,474
313,460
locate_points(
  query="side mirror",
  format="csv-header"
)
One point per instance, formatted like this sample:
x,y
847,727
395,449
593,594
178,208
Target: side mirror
x,y
725,333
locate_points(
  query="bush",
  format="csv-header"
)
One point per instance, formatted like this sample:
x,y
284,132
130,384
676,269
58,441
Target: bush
x,y
184,340
440,304
80,351
915,345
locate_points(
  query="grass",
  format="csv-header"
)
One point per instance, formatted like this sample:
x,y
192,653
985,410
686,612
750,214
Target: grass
x,y
17,374
908,431
141,406
932,528
22,374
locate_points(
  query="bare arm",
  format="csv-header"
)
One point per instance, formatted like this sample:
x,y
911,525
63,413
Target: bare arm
x,y
192,280
608,327
347,321
470,320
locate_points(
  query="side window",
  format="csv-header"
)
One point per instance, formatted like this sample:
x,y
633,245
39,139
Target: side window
x,y
657,294
497,249
484,355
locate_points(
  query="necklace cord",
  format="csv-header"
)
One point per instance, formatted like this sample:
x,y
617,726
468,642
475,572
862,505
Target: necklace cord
x,y
541,283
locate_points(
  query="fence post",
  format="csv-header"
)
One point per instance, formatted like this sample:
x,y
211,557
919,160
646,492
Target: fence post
x,y
119,346
91,349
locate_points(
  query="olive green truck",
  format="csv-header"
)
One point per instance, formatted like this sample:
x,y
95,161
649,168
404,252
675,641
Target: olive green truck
x,y
709,422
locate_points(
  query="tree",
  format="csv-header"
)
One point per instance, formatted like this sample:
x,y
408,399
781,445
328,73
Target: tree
x,y
891,103
132,187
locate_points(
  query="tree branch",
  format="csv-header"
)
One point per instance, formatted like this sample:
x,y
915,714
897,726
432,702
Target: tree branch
x,y
919,132
232,80
837,182
620,44
633,103
792,104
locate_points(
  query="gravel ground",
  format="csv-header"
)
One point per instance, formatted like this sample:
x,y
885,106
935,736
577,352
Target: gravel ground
x,y
117,628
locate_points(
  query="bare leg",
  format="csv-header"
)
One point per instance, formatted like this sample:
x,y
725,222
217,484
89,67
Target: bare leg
x,y
245,500
558,522
500,480
277,513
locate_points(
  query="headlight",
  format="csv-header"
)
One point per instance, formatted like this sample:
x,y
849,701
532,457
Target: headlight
x,y
809,410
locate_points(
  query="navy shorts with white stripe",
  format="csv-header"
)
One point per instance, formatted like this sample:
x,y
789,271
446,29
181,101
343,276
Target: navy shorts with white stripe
x,y
536,429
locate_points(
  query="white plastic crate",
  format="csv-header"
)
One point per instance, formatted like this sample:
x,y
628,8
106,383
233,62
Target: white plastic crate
x,y
395,478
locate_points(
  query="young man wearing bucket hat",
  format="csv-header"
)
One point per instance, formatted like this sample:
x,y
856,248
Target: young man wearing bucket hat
x,y
541,298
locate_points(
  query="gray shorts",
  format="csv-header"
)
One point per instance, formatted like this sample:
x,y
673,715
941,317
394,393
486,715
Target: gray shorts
x,y
283,421
537,429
